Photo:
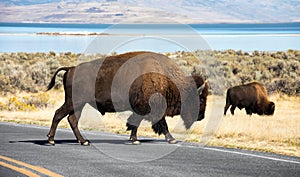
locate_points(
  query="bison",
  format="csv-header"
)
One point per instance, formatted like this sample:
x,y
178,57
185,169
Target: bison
x,y
252,96
146,83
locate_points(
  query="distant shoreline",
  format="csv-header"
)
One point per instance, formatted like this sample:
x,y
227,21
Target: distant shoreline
x,y
71,33
107,34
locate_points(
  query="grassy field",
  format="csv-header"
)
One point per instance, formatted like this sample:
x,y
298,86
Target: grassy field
x,y
279,133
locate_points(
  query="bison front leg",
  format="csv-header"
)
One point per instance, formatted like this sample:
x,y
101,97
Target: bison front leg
x,y
249,111
232,109
73,121
161,127
132,124
58,116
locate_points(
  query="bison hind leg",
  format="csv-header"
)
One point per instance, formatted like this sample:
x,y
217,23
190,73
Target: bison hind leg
x,y
60,113
73,121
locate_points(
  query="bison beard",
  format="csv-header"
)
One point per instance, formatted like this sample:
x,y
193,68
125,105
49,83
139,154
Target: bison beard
x,y
253,97
158,78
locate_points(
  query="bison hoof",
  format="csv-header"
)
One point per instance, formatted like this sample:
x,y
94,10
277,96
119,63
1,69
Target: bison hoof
x,y
51,142
136,142
172,141
86,143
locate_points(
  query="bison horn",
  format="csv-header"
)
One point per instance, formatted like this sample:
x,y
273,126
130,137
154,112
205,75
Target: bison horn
x,y
201,88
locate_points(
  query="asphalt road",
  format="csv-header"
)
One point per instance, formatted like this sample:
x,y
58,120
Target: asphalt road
x,y
24,151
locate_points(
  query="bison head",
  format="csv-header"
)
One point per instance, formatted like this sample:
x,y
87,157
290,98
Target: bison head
x,y
195,101
203,92
270,108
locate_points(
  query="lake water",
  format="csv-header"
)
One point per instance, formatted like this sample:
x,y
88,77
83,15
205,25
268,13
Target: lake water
x,y
20,37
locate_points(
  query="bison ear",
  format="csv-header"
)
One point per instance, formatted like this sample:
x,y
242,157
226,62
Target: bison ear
x,y
201,88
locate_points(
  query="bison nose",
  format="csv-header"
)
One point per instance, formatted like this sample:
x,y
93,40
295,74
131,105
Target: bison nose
x,y
200,117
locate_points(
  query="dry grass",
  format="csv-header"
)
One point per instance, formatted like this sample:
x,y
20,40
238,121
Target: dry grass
x,y
279,133
37,116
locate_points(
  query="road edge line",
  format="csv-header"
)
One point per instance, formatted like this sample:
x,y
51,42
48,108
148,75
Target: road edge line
x,y
251,155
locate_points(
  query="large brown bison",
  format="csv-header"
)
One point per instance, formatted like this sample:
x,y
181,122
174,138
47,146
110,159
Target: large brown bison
x,y
148,84
253,97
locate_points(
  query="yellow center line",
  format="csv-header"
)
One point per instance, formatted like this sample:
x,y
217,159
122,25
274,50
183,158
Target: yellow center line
x,y
20,170
36,168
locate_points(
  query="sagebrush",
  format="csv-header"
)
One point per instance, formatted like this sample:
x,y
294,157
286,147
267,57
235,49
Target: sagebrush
x,y
278,71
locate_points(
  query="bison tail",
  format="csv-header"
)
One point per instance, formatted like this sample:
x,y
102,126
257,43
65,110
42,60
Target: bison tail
x,y
228,97
52,82
228,102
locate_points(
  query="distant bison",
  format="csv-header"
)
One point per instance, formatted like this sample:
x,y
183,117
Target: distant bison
x,y
253,97
148,84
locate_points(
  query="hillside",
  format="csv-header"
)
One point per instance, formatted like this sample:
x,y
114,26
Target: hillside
x,y
150,11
